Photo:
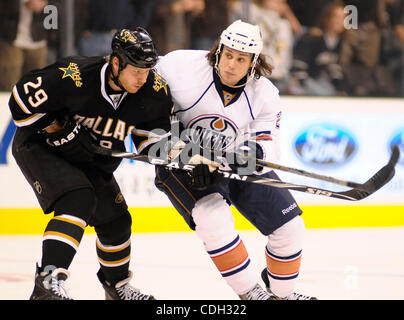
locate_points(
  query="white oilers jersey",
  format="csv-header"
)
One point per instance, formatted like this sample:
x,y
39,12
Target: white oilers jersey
x,y
221,116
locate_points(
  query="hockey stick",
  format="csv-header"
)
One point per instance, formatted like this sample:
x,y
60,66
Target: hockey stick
x,y
367,186
267,164
378,180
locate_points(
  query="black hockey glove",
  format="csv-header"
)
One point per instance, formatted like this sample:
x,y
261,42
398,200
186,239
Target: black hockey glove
x,y
73,143
251,151
202,178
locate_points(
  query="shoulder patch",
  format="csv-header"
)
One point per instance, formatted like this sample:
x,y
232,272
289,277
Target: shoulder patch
x,y
159,83
72,71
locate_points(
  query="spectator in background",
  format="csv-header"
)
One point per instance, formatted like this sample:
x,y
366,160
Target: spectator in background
x,y
158,25
316,67
105,17
278,24
237,8
393,44
23,45
171,23
208,24
307,12
395,9
55,36
365,72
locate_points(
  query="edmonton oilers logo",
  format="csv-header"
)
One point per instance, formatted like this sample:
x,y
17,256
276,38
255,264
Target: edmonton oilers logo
x,y
327,145
214,131
397,139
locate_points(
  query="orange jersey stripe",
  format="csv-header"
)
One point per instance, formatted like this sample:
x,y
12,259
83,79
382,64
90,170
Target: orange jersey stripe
x,y
263,137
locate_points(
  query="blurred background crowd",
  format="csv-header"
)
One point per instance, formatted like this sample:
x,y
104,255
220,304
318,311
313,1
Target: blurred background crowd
x,y
317,47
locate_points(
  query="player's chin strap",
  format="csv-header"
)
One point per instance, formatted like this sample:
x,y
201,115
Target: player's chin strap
x,y
251,71
114,78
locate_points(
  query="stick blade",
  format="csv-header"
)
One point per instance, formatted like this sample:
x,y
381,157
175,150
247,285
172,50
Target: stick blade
x,y
385,174
378,180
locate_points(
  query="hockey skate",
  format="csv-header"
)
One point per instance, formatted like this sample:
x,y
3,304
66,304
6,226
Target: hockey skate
x,y
50,285
293,296
122,290
257,293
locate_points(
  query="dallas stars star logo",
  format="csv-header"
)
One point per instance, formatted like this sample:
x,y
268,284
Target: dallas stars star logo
x,y
128,37
159,83
73,72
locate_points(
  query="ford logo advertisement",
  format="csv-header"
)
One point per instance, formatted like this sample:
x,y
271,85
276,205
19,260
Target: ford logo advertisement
x,y
398,139
326,145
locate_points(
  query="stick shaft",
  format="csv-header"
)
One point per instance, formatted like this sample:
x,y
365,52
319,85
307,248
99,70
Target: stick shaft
x,y
308,174
378,180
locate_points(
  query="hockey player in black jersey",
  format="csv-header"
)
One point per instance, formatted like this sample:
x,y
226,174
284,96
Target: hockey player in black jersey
x,y
61,111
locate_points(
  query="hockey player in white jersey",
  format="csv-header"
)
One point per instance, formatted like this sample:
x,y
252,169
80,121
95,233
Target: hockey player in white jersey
x,y
220,94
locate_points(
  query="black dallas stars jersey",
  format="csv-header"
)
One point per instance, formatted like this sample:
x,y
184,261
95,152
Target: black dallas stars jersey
x,y
77,87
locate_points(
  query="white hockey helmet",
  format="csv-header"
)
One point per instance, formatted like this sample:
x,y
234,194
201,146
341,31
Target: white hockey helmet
x,y
244,37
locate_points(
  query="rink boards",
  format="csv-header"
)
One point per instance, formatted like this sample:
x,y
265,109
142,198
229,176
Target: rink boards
x,y
166,219
345,138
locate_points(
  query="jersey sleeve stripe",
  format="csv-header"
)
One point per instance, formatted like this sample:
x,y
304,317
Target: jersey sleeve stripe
x,y
19,101
30,120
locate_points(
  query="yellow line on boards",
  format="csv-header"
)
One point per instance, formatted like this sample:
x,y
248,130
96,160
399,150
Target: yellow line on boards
x,y
167,219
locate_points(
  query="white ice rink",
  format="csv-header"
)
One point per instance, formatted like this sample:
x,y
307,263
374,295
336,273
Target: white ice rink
x,y
349,264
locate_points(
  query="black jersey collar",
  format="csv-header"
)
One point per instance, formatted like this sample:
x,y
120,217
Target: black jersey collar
x,y
220,87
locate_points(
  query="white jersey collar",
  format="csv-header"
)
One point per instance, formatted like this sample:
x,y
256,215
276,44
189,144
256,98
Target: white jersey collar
x,y
111,99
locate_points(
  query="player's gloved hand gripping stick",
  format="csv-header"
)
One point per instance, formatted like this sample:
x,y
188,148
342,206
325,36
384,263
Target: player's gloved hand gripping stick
x,y
73,142
247,152
206,173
